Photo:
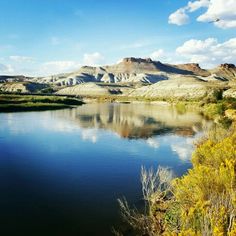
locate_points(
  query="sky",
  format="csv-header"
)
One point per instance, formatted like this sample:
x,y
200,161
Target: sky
x,y
43,37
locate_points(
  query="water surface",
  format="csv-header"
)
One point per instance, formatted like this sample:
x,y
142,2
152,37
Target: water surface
x,y
62,171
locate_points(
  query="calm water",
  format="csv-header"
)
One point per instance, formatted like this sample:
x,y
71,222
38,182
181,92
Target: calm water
x,y
62,171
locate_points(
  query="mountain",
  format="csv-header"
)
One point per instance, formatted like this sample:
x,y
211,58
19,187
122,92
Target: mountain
x,y
134,77
138,70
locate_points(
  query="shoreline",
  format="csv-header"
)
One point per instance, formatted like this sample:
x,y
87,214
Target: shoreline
x,y
23,103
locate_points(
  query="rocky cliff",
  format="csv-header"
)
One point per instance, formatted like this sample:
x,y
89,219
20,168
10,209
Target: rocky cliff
x,y
138,70
137,77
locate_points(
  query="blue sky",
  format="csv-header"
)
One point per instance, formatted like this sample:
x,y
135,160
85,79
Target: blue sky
x,y
40,37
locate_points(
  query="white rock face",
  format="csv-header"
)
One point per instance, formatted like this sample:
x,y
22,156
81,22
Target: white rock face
x,y
184,81
137,70
93,89
176,88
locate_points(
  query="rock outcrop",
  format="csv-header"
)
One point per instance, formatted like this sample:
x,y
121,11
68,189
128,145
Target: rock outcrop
x,y
182,88
138,70
138,77
93,89
194,68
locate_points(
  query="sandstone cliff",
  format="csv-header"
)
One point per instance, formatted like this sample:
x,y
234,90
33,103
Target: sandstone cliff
x,y
136,77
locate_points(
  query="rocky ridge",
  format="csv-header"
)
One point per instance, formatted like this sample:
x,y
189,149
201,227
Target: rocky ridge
x,y
138,70
136,77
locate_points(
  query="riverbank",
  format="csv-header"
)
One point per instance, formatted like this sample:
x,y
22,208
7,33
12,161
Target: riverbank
x,y
219,109
222,110
201,202
16,103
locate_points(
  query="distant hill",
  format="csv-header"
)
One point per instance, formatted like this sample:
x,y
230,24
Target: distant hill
x,y
135,77
11,78
138,70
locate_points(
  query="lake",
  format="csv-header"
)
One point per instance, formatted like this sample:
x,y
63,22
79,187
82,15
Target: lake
x,y
61,172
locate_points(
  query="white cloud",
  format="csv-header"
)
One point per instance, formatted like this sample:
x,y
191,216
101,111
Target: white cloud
x,y
48,67
57,67
194,46
193,6
157,55
60,125
179,17
6,68
93,59
154,143
22,59
208,52
183,147
220,12
163,56
89,135
184,151
223,10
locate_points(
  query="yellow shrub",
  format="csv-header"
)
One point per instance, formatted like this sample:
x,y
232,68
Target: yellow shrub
x,y
207,193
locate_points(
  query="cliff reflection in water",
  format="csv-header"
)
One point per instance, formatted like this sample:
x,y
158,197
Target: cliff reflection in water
x,y
136,121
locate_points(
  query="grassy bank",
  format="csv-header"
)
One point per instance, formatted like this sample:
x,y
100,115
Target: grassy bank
x,y
222,111
13,103
202,202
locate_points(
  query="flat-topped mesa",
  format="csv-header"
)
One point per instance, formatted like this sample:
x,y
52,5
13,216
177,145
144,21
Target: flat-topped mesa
x,y
190,66
132,65
194,68
137,60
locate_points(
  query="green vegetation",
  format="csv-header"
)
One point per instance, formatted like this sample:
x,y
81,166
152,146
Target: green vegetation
x,y
10,103
202,202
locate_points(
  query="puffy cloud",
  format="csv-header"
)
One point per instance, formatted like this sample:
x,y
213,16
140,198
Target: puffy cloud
x,y
57,67
193,6
90,135
208,52
152,142
93,59
220,12
194,46
6,68
183,151
223,10
22,59
157,55
179,17
48,67
183,147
